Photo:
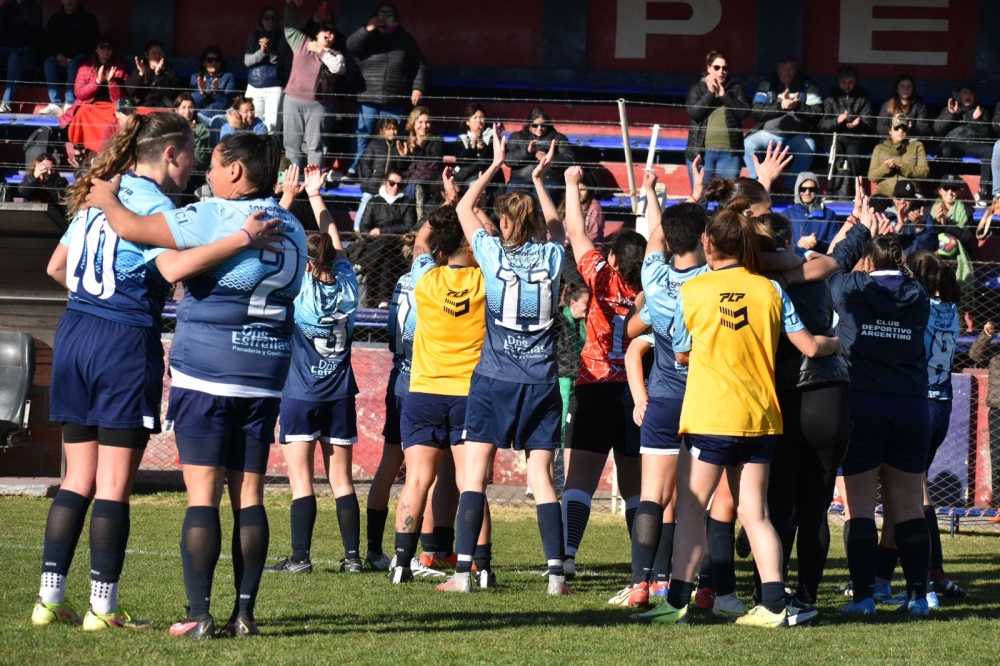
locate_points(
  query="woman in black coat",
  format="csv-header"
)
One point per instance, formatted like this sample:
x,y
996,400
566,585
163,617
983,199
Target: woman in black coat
x,y
527,147
717,106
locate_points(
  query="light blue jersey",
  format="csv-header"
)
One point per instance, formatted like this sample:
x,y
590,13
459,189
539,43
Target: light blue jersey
x,y
522,294
939,343
402,329
324,330
662,283
235,322
109,277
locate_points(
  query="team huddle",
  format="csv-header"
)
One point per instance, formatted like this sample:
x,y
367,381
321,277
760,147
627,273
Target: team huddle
x,y
756,398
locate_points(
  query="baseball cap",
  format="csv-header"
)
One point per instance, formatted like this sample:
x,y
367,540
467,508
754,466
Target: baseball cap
x,y
904,190
952,181
900,120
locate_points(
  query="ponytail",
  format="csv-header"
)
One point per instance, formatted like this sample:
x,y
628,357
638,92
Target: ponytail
x,y
141,139
886,253
937,276
321,253
734,236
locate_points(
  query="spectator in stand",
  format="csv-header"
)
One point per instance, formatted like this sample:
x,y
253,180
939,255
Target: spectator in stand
x,y
264,57
424,154
185,106
964,126
309,101
593,221
717,106
847,112
212,88
953,216
912,223
242,118
70,37
155,82
897,157
43,184
476,153
813,224
20,39
388,215
786,104
527,147
986,353
102,79
391,69
125,108
381,156
906,101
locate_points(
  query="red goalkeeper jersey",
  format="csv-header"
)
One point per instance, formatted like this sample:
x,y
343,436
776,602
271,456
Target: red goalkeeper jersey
x,y
603,357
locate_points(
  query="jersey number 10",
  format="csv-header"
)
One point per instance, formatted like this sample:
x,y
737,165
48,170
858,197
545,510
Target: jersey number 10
x,y
83,249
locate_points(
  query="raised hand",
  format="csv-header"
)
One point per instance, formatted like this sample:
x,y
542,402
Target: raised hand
x,y
573,176
499,146
952,106
697,178
140,66
988,329
978,113
649,179
202,84
544,162
264,234
859,194
290,184
774,163
313,180
112,71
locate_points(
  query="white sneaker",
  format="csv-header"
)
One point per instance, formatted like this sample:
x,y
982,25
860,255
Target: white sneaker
x,y
729,606
558,587
421,570
569,568
4,108
459,582
486,580
51,110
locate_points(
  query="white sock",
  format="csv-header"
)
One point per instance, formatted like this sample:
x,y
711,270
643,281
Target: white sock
x,y
103,597
53,588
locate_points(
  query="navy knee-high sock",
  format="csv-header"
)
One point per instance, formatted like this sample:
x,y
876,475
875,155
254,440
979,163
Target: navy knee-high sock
x,y
934,532
721,544
303,523
861,543
551,528
885,564
914,547
375,528
251,535
470,524
349,517
62,531
109,530
664,553
646,529
444,536
406,548
201,543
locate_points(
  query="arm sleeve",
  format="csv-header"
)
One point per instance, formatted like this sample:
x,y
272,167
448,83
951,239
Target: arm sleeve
x,y
681,336
944,122
358,40
736,101
982,350
420,71
700,102
293,35
591,265
848,251
334,62
421,266
917,167
194,225
484,249
877,170
790,321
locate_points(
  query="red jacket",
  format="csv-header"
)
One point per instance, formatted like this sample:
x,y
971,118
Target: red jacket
x,y
86,87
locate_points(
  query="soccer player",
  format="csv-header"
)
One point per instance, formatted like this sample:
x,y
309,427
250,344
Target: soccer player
x,y
677,230
107,374
318,403
726,326
450,302
517,367
598,430
229,361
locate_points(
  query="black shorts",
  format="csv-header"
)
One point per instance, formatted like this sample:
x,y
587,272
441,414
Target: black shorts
x,y
887,429
940,415
126,438
599,424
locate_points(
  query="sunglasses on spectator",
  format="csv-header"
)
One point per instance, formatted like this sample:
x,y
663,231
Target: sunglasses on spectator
x,y
949,188
724,68
807,189
104,45
269,17
537,125
901,127
393,183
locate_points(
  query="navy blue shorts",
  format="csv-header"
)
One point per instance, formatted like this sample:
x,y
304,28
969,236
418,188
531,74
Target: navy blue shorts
x,y
659,427
106,374
217,431
598,425
887,429
506,414
940,416
329,421
724,450
394,407
433,420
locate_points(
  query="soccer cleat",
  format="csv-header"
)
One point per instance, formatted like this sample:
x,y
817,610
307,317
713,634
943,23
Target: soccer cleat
x,y
659,589
799,612
44,614
864,607
287,565
759,616
918,608
663,614
704,598
421,571
242,626
742,543
120,619
932,600
435,561
459,582
486,580
558,586
375,562
729,606
633,596
202,626
942,584
569,568
351,565
400,575
883,595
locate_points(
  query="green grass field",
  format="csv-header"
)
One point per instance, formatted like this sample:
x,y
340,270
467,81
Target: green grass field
x,y
330,617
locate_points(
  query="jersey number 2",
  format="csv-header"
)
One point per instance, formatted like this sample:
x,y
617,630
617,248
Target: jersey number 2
x,y
287,262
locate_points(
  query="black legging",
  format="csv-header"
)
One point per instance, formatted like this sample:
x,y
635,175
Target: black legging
x,y
803,472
